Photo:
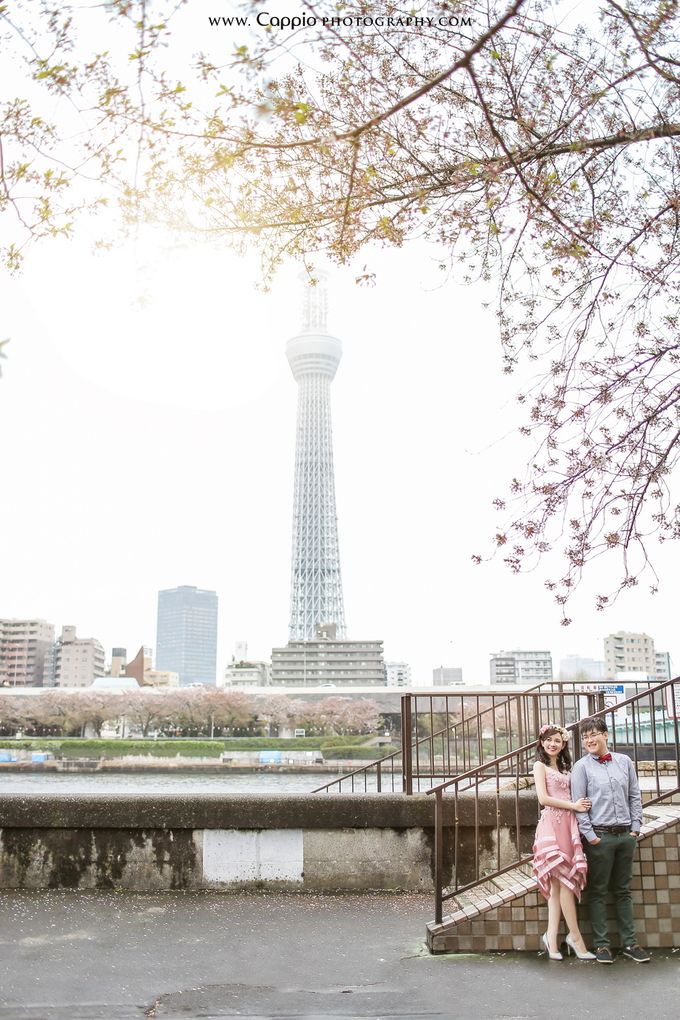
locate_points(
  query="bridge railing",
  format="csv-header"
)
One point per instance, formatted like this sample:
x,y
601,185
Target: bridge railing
x,y
646,727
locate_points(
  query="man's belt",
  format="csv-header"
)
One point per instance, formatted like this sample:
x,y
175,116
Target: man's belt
x,y
611,828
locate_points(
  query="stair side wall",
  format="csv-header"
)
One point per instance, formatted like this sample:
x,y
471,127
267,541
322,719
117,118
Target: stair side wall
x,y
518,925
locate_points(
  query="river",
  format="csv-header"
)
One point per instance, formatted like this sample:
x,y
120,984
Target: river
x,y
150,783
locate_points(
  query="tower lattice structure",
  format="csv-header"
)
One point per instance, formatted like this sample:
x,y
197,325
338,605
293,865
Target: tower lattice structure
x,y
316,583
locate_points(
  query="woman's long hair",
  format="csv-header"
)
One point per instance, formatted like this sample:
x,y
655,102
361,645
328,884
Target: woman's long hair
x,y
563,758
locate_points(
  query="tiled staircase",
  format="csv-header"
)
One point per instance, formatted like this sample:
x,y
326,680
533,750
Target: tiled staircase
x,y
508,912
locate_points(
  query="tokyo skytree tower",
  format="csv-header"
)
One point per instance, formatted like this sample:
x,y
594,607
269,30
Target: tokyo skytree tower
x,y
316,585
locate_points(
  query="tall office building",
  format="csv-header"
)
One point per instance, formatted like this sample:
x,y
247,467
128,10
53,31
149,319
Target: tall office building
x,y
186,634
23,647
316,585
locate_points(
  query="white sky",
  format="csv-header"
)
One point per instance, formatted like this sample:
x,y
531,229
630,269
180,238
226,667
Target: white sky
x,y
147,428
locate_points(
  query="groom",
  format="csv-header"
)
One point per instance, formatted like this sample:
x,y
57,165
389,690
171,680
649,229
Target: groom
x,y
609,832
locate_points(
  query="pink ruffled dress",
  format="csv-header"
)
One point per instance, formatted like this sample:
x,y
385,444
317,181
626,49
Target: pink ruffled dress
x,y
558,852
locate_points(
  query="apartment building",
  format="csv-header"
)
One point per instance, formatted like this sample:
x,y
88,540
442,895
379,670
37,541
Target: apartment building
x,y
23,647
72,661
629,652
521,667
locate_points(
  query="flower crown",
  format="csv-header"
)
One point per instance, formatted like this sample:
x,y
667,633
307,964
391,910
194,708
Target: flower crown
x,y
558,729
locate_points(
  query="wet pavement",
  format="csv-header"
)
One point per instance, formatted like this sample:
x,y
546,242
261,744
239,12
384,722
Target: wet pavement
x,y
85,956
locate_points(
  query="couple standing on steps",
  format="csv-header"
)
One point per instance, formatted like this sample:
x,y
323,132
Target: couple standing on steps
x,y
593,835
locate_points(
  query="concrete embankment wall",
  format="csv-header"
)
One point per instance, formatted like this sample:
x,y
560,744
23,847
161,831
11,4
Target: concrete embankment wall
x,y
307,842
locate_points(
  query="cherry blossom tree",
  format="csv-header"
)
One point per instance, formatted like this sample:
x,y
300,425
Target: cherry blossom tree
x,y
277,711
59,710
145,709
13,715
537,152
338,716
233,712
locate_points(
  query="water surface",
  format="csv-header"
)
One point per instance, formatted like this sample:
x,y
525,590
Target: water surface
x,y
150,783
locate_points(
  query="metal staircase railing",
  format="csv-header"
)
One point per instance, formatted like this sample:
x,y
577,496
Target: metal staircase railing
x,y
646,726
456,745
464,728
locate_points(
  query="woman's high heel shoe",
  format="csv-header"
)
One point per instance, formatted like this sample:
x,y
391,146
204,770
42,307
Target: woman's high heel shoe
x,y
571,948
553,956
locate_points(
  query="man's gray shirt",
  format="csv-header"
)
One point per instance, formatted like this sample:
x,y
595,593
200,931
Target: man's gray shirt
x,y
613,789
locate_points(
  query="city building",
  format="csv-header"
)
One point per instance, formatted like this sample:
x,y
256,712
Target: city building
x,y
328,662
186,634
521,667
141,669
663,666
246,674
118,662
398,674
629,652
114,684
316,584
136,668
23,647
447,676
240,652
579,667
72,661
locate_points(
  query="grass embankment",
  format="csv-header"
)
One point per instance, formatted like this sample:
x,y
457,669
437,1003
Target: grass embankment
x,y
77,747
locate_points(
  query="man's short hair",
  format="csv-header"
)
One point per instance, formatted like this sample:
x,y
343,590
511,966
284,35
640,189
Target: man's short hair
x,y
596,723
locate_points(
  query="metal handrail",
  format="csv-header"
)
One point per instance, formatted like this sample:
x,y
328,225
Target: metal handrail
x,y
406,750
457,746
625,731
363,770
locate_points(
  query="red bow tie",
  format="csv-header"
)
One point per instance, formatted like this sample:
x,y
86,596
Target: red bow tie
x,y
605,757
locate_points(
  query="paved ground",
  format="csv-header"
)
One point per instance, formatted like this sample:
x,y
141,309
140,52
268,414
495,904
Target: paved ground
x,y
81,956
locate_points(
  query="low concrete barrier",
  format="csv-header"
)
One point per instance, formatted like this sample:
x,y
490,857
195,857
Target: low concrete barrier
x,y
306,842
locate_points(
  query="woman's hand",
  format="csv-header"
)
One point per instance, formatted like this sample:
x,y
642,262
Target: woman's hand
x,y
582,804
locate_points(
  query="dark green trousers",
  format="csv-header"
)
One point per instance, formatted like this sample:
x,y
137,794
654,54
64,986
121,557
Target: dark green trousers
x,y
610,869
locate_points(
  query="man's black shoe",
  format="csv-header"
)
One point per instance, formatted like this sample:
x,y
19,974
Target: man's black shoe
x,y
636,953
603,954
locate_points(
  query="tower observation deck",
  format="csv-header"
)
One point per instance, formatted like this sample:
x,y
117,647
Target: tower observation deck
x,y
316,584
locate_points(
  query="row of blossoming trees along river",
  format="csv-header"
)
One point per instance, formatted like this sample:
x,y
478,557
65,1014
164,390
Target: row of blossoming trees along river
x,y
188,712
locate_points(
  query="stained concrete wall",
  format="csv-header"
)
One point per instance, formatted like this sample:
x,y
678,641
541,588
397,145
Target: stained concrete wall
x,y
330,843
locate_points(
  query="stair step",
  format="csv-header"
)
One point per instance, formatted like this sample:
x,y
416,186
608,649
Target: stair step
x,y
496,891
661,810
658,816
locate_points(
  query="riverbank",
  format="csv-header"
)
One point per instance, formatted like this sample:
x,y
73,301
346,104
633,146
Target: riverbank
x,y
331,748
160,765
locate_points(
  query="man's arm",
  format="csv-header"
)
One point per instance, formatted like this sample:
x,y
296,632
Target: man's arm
x,y
579,788
634,799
